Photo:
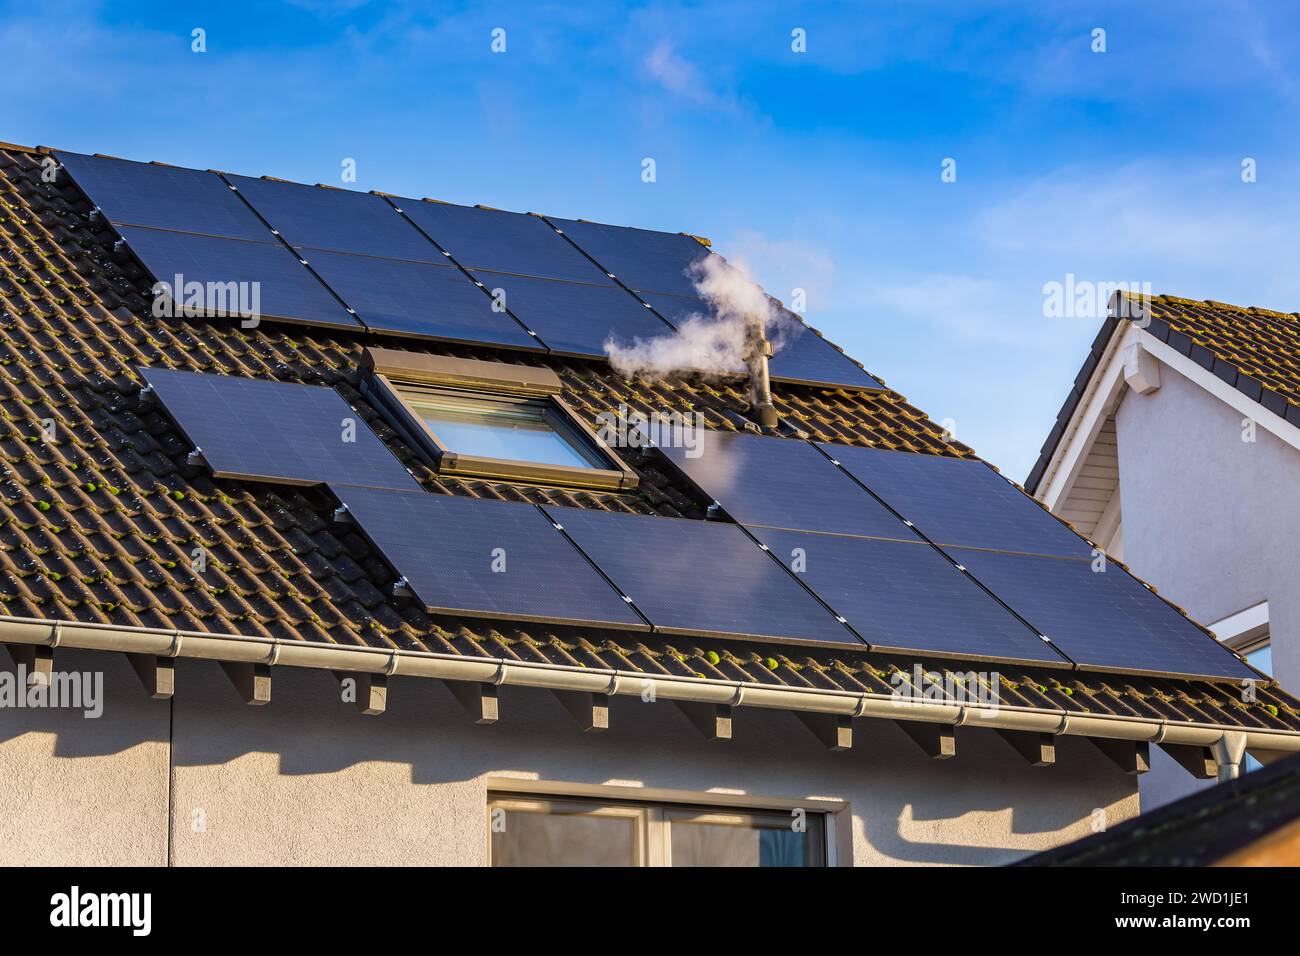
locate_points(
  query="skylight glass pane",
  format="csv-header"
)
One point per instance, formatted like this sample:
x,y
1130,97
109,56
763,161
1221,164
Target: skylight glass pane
x,y
513,431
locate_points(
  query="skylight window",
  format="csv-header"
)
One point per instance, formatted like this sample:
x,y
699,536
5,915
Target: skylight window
x,y
491,420
492,427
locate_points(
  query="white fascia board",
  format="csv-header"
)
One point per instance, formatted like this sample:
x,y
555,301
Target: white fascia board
x,y
1098,403
1230,396
1105,388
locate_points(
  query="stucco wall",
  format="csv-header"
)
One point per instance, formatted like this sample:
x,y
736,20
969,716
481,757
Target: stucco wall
x,y
1212,521
307,779
77,790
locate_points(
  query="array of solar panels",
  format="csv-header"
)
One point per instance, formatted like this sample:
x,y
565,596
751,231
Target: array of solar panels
x,y
345,259
831,545
927,553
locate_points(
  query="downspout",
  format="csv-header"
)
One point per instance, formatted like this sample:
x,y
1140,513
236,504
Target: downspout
x,y
246,649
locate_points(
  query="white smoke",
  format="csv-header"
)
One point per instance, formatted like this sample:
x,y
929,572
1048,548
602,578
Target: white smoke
x,y
709,344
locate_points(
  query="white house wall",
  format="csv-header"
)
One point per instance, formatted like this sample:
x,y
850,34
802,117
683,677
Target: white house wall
x,y
207,780
1211,520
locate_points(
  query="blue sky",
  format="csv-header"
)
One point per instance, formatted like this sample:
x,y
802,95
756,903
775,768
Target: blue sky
x,y
821,169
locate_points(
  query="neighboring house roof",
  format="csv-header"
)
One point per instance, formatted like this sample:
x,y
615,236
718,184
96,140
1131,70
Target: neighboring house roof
x,y
1256,351
98,526
1251,821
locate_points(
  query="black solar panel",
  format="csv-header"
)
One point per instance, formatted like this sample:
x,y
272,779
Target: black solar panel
x,y
803,356
485,558
1102,620
959,501
341,220
285,289
640,258
418,298
781,483
905,596
700,577
276,431
164,197
502,241
572,317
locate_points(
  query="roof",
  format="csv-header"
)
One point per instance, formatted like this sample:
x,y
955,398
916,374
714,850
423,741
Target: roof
x,y
1256,351
98,525
1247,821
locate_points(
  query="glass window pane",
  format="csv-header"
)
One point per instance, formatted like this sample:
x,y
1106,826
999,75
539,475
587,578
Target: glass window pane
x,y
1260,658
533,838
514,431
703,844
748,841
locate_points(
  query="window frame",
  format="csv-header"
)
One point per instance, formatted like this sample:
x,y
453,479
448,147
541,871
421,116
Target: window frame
x,y
660,806
390,372
521,804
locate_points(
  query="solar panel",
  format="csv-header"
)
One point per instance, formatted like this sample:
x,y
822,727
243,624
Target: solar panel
x,y
341,220
905,596
164,197
1102,620
804,357
641,259
502,241
418,298
572,317
284,288
486,558
276,431
959,501
781,483
700,577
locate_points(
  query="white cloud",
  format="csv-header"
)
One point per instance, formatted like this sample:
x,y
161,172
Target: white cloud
x,y
678,76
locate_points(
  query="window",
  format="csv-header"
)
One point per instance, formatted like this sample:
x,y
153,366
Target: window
x,y
490,420
1260,657
482,425
541,831
1246,632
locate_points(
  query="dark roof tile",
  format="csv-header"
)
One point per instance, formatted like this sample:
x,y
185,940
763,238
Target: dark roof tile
x,y
120,528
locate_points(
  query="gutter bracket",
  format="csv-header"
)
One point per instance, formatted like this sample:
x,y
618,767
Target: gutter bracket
x,y
252,680
835,731
937,740
1131,756
371,690
1200,762
713,721
1038,748
156,673
590,710
36,659
479,700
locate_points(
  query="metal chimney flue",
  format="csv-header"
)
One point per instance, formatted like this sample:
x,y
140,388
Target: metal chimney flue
x,y
757,351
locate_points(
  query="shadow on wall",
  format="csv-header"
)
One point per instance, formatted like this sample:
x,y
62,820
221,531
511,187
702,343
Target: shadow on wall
x,y
907,808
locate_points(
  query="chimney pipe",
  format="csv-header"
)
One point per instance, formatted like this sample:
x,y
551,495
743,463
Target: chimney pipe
x,y
757,351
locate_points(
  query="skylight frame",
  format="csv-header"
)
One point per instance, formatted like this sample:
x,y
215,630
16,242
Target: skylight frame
x,y
396,379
